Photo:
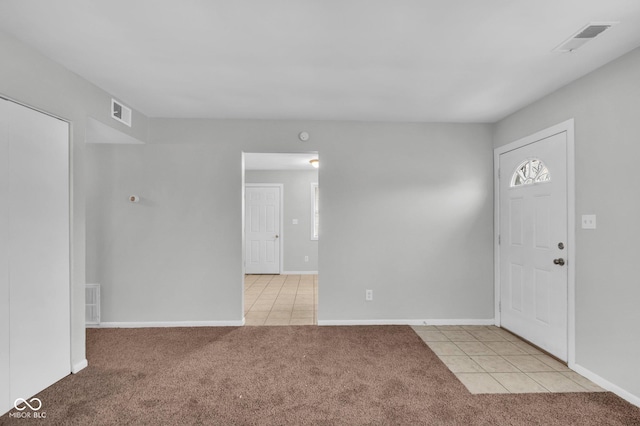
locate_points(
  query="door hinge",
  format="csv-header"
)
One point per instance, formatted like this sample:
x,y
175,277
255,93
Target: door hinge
x,y
499,239
500,306
498,173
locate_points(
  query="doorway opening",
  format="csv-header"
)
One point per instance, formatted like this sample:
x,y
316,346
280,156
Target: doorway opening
x,y
280,238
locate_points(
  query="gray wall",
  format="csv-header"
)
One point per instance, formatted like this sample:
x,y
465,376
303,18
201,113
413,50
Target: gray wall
x,y
606,108
32,79
297,240
406,211
172,256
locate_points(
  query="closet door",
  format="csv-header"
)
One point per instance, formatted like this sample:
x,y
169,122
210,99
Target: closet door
x,y
38,237
5,396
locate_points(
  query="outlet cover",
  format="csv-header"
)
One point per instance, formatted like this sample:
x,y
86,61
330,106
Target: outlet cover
x,y
368,295
588,221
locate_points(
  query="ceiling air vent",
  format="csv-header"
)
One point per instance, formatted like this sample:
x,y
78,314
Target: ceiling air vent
x,y
120,112
585,34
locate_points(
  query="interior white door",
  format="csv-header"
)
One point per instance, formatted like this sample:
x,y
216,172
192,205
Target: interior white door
x,y
533,239
262,229
37,165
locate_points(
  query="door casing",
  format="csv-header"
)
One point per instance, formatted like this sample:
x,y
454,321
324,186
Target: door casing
x,y
568,127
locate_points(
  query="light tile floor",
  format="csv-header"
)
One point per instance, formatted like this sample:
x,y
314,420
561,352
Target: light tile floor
x,y
280,299
487,359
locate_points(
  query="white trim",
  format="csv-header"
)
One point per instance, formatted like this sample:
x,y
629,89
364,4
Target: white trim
x,y
159,324
299,273
280,235
409,322
78,366
571,238
568,127
243,235
314,185
605,384
15,101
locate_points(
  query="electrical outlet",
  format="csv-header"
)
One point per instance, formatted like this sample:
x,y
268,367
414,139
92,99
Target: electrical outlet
x,y
588,221
306,258
368,295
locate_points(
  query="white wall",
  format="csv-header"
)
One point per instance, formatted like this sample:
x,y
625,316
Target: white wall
x,y
297,240
606,108
406,210
32,79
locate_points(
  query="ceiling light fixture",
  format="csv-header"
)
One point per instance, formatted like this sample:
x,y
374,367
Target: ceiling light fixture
x,y
315,163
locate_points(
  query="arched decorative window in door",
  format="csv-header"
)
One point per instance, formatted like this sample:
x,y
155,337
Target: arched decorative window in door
x,y
530,172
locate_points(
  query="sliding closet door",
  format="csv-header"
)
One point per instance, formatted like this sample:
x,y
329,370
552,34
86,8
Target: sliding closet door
x,y
5,397
38,239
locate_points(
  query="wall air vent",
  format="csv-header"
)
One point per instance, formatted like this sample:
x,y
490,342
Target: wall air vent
x,y
120,112
92,304
585,34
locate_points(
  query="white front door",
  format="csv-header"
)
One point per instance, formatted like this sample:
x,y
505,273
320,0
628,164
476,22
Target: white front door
x,y
262,229
533,243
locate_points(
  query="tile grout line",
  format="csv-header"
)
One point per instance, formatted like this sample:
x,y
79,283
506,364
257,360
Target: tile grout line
x,y
289,283
483,371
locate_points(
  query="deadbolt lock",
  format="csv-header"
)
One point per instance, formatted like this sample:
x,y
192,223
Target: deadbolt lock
x,y
561,246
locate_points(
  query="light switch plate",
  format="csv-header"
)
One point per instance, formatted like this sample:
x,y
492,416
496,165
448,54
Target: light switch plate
x,y
294,221
588,221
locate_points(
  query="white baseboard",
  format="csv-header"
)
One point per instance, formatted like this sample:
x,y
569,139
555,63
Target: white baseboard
x,y
299,273
157,324
409,322
75,368
605,384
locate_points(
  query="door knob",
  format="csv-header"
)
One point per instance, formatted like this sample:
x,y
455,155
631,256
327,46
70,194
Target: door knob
x,y
559,261
276,235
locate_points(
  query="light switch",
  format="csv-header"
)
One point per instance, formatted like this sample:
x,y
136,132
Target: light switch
x,y
294,221
588,221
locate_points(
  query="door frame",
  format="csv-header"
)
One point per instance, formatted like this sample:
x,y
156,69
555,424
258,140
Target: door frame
x,y
244,224
568,127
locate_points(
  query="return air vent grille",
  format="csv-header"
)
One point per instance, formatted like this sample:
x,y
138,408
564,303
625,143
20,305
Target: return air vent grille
x,y
92,304
592,30
120,112
585,34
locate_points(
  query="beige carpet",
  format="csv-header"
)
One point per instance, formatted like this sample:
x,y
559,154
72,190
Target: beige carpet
x,y
292,375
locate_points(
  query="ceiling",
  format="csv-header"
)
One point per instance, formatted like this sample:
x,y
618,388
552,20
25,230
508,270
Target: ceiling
x,y
372,60
279,161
